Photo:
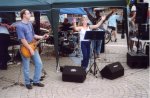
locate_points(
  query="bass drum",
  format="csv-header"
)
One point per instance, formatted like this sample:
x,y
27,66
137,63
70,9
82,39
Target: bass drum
x,y
66,47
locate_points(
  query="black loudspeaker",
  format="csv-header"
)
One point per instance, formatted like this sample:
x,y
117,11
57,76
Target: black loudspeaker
x,y
147,50
73,74
141,0
143,29
137,60
141,12
112,71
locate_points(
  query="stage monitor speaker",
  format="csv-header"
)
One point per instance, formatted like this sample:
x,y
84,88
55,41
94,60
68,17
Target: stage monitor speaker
x,y
112,71
73,74
141,13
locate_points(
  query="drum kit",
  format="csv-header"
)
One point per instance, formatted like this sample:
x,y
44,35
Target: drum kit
x,y
68,42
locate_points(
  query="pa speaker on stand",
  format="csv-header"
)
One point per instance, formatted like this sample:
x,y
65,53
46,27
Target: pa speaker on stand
x,y
141,13
144,31
139,59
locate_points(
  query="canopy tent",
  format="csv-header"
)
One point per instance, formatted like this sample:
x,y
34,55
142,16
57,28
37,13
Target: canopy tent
x,y
87,3
52,8
16,5
72,11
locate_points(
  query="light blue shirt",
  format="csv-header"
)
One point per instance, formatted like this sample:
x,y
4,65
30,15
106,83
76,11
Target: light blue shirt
x,y
112,20
25,31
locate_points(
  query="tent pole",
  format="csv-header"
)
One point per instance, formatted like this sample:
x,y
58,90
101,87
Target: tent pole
x,y
53,16
125,20
37,22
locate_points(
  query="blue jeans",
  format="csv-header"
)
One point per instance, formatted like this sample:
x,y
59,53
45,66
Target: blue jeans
x,y
85,47
96,46
38,67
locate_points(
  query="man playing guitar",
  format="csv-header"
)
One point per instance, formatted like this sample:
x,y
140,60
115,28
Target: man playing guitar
x,y
26,35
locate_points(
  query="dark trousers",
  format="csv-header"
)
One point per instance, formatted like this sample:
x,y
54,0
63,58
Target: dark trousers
x,y
85,47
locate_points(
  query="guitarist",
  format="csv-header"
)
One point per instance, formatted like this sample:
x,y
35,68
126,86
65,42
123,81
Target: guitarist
x,y
26,35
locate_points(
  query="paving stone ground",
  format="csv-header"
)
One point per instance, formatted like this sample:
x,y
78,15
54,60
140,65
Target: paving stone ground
x,y
134,84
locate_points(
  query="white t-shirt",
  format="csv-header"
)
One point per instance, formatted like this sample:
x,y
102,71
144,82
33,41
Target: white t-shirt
x,y
82,34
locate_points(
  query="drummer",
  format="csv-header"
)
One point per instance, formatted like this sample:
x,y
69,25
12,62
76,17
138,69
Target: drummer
x,y
65,26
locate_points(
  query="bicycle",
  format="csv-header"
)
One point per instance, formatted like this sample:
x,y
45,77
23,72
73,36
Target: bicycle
x,y
107,36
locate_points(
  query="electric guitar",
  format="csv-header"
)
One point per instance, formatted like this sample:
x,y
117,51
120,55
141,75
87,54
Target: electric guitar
x,y
25,52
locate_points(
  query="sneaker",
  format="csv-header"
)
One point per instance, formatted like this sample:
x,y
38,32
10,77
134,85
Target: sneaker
x,y
28,86
41,79
38,84
116,40
43,76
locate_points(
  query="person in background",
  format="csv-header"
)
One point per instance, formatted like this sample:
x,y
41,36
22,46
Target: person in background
x,y
65,26
132,28
4,43
96,45
112,23
95,18
85,44
26,35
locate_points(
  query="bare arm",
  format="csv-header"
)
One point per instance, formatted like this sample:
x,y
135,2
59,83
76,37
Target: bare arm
x,y
98,24
107,17
25,43
91,18
38,37
45,36
133,17
75,26
7,26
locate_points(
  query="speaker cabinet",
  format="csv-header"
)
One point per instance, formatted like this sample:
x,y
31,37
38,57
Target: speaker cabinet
x,y
73,74
112,71
137,60
143,29
141,12
147,50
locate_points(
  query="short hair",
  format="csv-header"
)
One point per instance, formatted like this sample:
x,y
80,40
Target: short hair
x,y
22,13
66,19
